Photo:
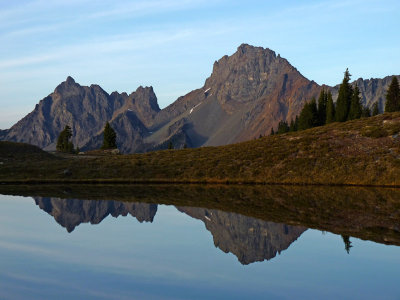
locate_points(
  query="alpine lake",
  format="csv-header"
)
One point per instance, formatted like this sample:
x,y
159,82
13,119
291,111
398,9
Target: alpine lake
x,y
199,242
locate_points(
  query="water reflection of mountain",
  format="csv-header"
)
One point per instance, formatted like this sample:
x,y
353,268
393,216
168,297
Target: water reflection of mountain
x,y
249,239
366,213
69,213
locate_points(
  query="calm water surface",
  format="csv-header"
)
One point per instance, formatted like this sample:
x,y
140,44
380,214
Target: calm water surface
x,y
54,248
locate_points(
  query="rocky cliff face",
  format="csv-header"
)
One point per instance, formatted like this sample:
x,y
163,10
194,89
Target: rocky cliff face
x,y
69,213
249,239
246,95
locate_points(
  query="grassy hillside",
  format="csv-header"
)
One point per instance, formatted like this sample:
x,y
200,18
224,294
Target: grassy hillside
x,y
364,152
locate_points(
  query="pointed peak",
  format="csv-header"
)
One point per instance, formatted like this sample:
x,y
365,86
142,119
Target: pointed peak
x,y
65,85
70,80
146,96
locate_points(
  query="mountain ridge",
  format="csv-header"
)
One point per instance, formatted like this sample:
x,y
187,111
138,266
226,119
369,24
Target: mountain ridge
x,y
245,96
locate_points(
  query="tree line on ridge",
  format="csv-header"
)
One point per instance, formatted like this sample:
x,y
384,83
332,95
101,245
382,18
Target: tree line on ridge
x,y
348,107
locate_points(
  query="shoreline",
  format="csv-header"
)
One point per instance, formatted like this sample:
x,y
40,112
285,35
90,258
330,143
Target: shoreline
x,y
182,182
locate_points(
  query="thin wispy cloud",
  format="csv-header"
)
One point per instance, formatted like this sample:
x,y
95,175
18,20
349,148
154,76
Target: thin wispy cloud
x,y
113,44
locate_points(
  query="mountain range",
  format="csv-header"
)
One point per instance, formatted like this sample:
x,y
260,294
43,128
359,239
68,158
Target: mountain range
x,y
246,95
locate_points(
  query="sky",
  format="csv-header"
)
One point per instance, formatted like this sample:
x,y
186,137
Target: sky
x,y
172,45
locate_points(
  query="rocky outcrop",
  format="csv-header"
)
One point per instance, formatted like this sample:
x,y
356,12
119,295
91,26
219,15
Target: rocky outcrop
x,y
246,95
69,213
249,239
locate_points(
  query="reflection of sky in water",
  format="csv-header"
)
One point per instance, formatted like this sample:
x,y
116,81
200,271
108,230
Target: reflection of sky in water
x,y
175,257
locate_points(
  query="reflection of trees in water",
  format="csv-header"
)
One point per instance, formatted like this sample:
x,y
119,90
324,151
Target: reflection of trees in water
x,y
347,243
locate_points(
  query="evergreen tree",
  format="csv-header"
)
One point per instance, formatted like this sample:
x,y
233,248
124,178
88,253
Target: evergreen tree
x,y
109,137
393,96
294,124
330,109
64,143
355,106
322,103
272,131
344,98
375,109
308,115
366,113
170,145
283,127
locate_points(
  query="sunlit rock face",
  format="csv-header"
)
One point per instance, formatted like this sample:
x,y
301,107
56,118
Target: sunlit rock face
x,y
69,213
249,239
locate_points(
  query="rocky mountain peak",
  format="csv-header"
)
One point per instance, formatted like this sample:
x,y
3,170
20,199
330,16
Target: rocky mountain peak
x,y
70,80
145,97
250,74
246,49
68,86
144,102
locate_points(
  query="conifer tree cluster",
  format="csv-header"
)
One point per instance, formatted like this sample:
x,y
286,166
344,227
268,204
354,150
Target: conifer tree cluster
x,y
64,143
348,107
393,96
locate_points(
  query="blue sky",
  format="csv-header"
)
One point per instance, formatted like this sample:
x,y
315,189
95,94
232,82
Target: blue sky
x,y
172,45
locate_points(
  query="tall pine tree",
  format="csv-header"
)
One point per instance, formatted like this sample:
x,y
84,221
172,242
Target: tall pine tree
x,y
393,96
109,138
330,110
355,106
344,98
322,103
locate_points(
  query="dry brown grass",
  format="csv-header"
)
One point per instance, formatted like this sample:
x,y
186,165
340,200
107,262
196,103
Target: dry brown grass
x,y
359,152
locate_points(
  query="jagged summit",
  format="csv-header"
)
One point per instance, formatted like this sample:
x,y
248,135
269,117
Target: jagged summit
x,y
148,97
70,80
